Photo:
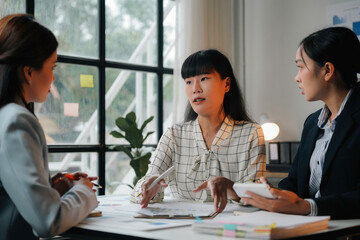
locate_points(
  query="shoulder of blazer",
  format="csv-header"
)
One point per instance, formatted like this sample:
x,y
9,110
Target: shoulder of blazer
x,y
309,122
13,113
353,105
354,101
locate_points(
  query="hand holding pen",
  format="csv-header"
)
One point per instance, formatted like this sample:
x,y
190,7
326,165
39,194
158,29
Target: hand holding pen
x,y
78,175
62,182
152,185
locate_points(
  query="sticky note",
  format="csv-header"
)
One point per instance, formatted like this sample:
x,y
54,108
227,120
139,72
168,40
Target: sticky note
x,y
71,109
240,234
198,219
219,232
230,227
86,81
229,233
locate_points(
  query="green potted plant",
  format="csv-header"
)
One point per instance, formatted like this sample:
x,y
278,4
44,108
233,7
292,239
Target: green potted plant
x,y
139,155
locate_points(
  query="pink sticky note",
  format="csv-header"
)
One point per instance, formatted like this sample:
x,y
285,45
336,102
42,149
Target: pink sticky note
x,y
229,233
71,109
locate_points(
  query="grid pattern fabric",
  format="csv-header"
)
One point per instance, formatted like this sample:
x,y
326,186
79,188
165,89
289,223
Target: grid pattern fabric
x,y
237,153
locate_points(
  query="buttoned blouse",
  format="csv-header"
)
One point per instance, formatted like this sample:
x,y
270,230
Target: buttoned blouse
x,y
321,146
237,153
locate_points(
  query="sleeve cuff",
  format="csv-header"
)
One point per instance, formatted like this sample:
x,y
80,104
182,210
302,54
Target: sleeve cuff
x,y
313,207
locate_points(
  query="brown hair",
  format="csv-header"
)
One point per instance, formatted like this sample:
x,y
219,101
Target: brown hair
x,y
23,42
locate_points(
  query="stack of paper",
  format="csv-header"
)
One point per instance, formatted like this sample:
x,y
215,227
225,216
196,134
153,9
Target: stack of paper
x,y
263,225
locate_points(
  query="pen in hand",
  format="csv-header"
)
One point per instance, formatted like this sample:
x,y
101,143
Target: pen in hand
x,y
71,177
158,179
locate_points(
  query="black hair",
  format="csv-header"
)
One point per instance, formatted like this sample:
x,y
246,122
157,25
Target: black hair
x,y
23,42
338,45
208,61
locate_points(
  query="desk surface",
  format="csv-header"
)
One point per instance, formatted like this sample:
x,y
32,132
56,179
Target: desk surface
x,y
93,232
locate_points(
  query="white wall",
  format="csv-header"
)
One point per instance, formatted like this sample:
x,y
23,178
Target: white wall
x,y
273,30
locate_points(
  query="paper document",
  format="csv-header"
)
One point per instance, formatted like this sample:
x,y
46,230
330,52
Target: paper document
x,y
118,214
184,209
116,221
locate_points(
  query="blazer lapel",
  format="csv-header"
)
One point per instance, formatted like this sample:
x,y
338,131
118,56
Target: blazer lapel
x,y
342,129
304,166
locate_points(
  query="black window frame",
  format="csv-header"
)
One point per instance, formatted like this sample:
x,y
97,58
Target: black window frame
x,y
101,63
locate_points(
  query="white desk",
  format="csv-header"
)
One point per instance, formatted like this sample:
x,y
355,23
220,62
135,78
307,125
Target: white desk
x,y
94,232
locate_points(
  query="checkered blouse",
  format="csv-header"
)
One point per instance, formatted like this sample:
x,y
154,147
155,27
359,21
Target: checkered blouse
x,y
237,153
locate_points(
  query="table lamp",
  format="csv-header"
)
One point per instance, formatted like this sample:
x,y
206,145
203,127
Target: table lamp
x,y
271,130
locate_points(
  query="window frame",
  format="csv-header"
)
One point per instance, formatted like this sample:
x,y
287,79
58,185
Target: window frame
x,y
101,63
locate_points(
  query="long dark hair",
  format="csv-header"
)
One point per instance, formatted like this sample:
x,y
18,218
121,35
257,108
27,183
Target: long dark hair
x,y
207,61
23,42
338,45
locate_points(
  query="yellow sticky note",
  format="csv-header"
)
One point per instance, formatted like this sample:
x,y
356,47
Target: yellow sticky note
x,y
86,81
71,109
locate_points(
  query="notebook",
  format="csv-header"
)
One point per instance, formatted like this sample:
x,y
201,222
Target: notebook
x,y
263,225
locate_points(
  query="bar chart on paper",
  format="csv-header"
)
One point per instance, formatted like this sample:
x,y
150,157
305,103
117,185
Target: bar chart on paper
x,y
183,209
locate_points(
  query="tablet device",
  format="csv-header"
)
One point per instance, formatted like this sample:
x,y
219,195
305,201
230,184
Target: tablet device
x,y
257,188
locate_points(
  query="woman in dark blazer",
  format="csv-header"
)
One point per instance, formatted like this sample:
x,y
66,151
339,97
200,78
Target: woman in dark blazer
x,y
325,176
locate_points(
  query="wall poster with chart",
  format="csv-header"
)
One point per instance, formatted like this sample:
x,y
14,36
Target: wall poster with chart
x,y
346,14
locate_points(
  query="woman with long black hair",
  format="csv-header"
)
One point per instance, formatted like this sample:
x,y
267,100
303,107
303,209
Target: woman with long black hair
x,y
215,147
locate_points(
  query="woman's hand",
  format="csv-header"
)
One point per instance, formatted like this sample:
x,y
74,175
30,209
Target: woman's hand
x,y
221,189
149,194
78,175
284,202
85,181
61,183
83,178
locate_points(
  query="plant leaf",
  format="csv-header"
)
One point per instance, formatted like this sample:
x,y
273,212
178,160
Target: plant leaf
x,y
145,123
122,124
117,134
134,137
125,150
135,180
141,164
131,119
148,134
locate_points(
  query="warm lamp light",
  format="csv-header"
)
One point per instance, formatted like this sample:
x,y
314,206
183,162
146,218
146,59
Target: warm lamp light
x,y
271,130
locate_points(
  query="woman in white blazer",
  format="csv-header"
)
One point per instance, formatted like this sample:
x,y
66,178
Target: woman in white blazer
x,y
32,204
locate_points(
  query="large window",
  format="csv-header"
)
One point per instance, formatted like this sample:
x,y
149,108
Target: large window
x,y
114,57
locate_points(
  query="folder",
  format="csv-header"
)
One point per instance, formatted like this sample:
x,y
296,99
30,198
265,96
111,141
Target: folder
x,y
263,225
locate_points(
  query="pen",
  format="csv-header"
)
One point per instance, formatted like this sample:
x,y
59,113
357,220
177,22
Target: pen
x,y
158,179
71,177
